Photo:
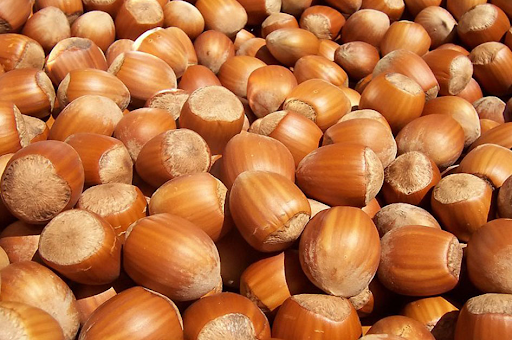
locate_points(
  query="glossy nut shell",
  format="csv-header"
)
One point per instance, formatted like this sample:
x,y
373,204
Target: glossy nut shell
x,y
331,251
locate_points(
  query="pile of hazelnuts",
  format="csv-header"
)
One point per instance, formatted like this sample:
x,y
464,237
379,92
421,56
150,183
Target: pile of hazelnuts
x,y
255,169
